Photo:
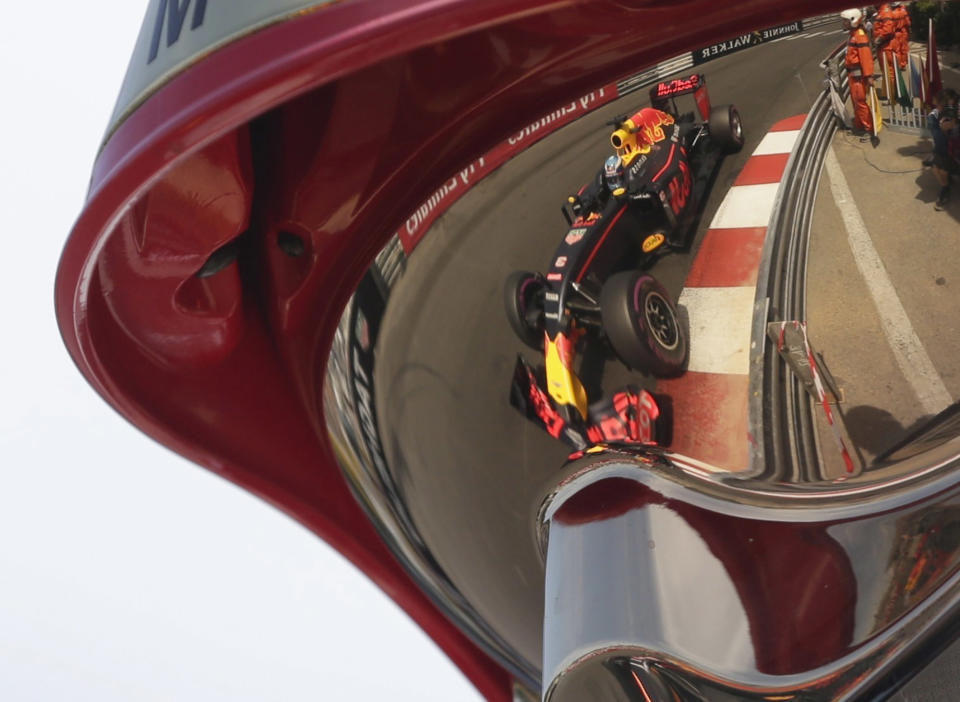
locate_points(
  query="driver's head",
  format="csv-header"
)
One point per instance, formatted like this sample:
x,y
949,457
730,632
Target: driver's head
x,y
613,173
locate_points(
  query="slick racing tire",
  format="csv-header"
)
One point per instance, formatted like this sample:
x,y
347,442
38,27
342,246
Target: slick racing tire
x,y
523,301
726,129
642,324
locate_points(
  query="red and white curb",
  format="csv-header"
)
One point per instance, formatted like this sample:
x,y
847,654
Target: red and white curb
x,y
710,399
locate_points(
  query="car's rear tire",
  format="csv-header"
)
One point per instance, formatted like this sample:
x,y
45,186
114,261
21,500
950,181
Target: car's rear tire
x,y
726,129
642,325
523,302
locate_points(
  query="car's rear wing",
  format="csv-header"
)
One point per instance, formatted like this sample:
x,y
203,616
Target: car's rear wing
x,y
662,95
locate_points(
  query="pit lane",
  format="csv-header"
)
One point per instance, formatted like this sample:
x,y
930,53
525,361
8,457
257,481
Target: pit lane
x,y
457,451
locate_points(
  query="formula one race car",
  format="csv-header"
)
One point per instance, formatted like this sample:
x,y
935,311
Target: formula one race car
x,y
644,201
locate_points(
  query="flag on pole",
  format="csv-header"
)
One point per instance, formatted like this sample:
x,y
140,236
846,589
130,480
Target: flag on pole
x,y
933,65
889,89
916,81
875,116
925,78
903,97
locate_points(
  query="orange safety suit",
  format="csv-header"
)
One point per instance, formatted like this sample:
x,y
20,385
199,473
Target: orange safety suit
x,y
859,63
885,33
902,42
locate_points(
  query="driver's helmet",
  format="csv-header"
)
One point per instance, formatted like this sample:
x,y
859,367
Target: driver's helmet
x,y
613,173
852,17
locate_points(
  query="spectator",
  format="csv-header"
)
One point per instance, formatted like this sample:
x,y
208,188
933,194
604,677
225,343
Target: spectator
x,y
933,126
943,125
869,16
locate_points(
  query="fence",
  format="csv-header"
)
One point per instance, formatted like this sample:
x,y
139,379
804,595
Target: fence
x,y
908,119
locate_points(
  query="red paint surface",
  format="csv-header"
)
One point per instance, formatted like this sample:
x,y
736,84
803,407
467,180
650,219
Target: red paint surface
x,y
766,168
605,499
202,204
710,418
789,124
727,257
761,557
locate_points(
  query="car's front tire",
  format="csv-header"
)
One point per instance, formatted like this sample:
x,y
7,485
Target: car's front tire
x,y
523,302
642,325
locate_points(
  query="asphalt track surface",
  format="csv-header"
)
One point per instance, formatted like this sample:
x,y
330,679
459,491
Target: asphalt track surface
x,y
470,469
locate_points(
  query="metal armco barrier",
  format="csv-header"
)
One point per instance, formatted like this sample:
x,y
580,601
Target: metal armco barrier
x,y
654,75
781,414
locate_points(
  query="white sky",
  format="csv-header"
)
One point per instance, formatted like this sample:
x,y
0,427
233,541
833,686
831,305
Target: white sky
x,y
127,573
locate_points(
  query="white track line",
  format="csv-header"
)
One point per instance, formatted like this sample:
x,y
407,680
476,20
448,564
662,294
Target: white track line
x,y
910,354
